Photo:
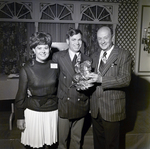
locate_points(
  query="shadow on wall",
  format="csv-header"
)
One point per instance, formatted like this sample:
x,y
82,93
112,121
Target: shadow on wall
x,y
138,97
137,107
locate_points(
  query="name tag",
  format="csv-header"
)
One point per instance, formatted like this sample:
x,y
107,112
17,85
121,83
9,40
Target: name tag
x,y
53,65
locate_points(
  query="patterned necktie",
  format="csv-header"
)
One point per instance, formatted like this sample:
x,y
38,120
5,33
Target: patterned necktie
x,y
103,61
74,60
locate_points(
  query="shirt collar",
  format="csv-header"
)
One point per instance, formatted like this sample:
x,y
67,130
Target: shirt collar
x,y
108,52
72,54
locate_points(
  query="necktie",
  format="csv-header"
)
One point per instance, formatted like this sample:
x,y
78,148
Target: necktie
x,y
74,60
103,61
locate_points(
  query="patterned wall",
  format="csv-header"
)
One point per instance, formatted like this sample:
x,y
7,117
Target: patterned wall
x,y
127,28
126,31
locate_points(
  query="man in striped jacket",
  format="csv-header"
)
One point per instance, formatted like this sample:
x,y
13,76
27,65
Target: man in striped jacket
x,y
112,73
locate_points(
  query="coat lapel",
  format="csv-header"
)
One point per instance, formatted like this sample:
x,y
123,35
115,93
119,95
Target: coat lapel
x,y
66,61
112,57
96,61
83,57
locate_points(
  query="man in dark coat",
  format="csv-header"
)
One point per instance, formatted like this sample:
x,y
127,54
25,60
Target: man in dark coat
x,y
73,105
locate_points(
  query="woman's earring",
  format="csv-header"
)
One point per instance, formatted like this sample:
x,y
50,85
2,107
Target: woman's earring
x,y
32,56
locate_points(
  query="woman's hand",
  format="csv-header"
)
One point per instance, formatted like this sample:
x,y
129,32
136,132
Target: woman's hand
x,y
21,124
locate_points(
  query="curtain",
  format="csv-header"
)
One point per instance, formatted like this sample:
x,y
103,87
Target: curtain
x,y
58,31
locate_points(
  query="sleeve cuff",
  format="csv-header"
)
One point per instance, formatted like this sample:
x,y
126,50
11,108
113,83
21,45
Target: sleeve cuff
x,y
19,113
99,80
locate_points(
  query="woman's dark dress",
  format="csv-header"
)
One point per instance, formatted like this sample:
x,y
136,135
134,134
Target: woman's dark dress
x,y
41,80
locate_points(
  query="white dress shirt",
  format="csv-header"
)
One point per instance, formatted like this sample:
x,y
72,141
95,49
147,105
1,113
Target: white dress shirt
x,y
72,54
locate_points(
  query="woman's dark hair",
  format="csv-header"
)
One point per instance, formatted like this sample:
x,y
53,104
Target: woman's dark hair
x,y
72,32
40,38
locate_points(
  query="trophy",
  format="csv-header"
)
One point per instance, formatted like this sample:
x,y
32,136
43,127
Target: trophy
x,y
81,76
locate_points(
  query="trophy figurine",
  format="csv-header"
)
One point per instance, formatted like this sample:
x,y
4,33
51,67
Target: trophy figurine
x,y
82,75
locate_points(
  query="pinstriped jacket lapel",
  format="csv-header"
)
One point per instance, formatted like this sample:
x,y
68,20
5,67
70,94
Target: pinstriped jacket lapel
x,y
111,59
66,61
96,61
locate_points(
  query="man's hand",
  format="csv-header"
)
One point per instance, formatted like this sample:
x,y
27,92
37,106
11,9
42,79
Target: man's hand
x,y
95,78
21,124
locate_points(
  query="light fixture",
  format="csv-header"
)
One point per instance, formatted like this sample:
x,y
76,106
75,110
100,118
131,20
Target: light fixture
x,y
146,39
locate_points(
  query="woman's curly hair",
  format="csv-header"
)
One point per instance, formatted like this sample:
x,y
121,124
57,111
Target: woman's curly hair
x,y
40,38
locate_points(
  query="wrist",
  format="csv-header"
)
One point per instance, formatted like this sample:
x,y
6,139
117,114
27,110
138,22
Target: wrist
x,y
99,79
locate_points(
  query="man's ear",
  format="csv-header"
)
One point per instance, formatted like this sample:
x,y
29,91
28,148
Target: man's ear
x,y
113,39
67,41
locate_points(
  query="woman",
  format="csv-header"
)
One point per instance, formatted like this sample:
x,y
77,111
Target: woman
x,y
37,115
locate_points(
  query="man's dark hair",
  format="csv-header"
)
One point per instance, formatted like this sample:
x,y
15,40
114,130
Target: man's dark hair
x,y
72,32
